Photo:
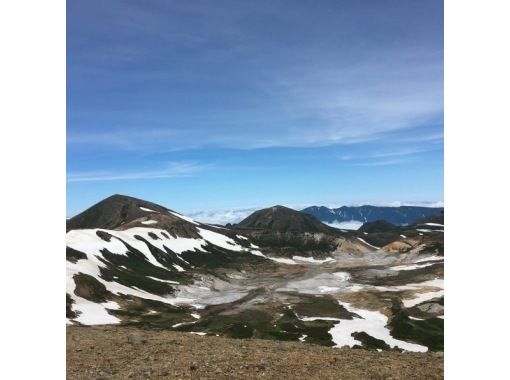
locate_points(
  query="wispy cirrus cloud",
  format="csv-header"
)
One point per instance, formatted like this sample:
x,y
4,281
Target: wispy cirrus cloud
x,y
171,170
229,84
385,158
394,161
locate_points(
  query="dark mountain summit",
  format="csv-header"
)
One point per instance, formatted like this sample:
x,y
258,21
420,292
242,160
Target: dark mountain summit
x,y
283,219
279,230
397,215
118,210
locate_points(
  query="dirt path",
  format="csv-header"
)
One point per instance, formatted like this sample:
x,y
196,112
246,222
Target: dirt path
x,y
109,352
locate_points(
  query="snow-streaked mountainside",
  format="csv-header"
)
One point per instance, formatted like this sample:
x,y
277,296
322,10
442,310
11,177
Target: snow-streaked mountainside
x,y
401,215
145,252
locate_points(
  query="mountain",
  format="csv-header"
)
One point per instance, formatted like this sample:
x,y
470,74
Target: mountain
x,y
283,219
126,247
426,233
284,232
397,215
113,212
280,274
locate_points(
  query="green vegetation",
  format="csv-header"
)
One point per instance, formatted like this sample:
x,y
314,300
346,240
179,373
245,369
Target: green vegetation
x,y
73,255
134,269
369,342
165,317
254,323
69,307
437,248
405,276
429,332
323,306
289,244
217,257
104,235
90,288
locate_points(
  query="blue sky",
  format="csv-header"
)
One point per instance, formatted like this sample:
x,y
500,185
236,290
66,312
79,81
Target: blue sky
x,y
211,105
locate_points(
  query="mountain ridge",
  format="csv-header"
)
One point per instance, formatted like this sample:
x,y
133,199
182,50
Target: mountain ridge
x,y
400,215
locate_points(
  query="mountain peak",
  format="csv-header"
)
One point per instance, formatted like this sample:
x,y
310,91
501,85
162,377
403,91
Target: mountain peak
x,y
283,219
114,211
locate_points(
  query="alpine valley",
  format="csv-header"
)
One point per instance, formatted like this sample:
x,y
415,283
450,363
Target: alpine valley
x,y
279,274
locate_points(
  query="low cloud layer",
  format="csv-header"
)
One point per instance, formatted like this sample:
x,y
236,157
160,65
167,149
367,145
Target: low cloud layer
x,y
349,225
221,217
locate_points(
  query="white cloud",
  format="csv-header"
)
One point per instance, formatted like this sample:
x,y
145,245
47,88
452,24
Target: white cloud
x,y
348,225
392,92
172,169
221,216
234,216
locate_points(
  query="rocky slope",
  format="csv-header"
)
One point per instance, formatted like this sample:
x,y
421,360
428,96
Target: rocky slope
x,y
146,354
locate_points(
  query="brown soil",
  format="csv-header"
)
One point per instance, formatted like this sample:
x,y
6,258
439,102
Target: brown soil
x,y
111,352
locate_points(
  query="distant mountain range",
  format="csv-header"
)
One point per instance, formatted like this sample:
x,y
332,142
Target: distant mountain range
x,y
402,215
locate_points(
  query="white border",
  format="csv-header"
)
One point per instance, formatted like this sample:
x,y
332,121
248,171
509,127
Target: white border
x,y
477,100
32,156
477,106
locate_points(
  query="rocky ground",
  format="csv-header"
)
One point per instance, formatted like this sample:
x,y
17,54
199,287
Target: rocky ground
x,y
112,352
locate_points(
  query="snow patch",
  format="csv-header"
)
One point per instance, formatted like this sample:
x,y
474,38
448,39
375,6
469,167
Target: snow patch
x,y
363,241
328,289
344,276
220,240
183,217
411,266
282,260
430,258
371,322
422,297
258,253
312,260
179,268
94,313
161,280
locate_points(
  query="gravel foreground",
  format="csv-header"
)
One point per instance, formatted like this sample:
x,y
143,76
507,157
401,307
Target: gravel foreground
x,y
111,352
